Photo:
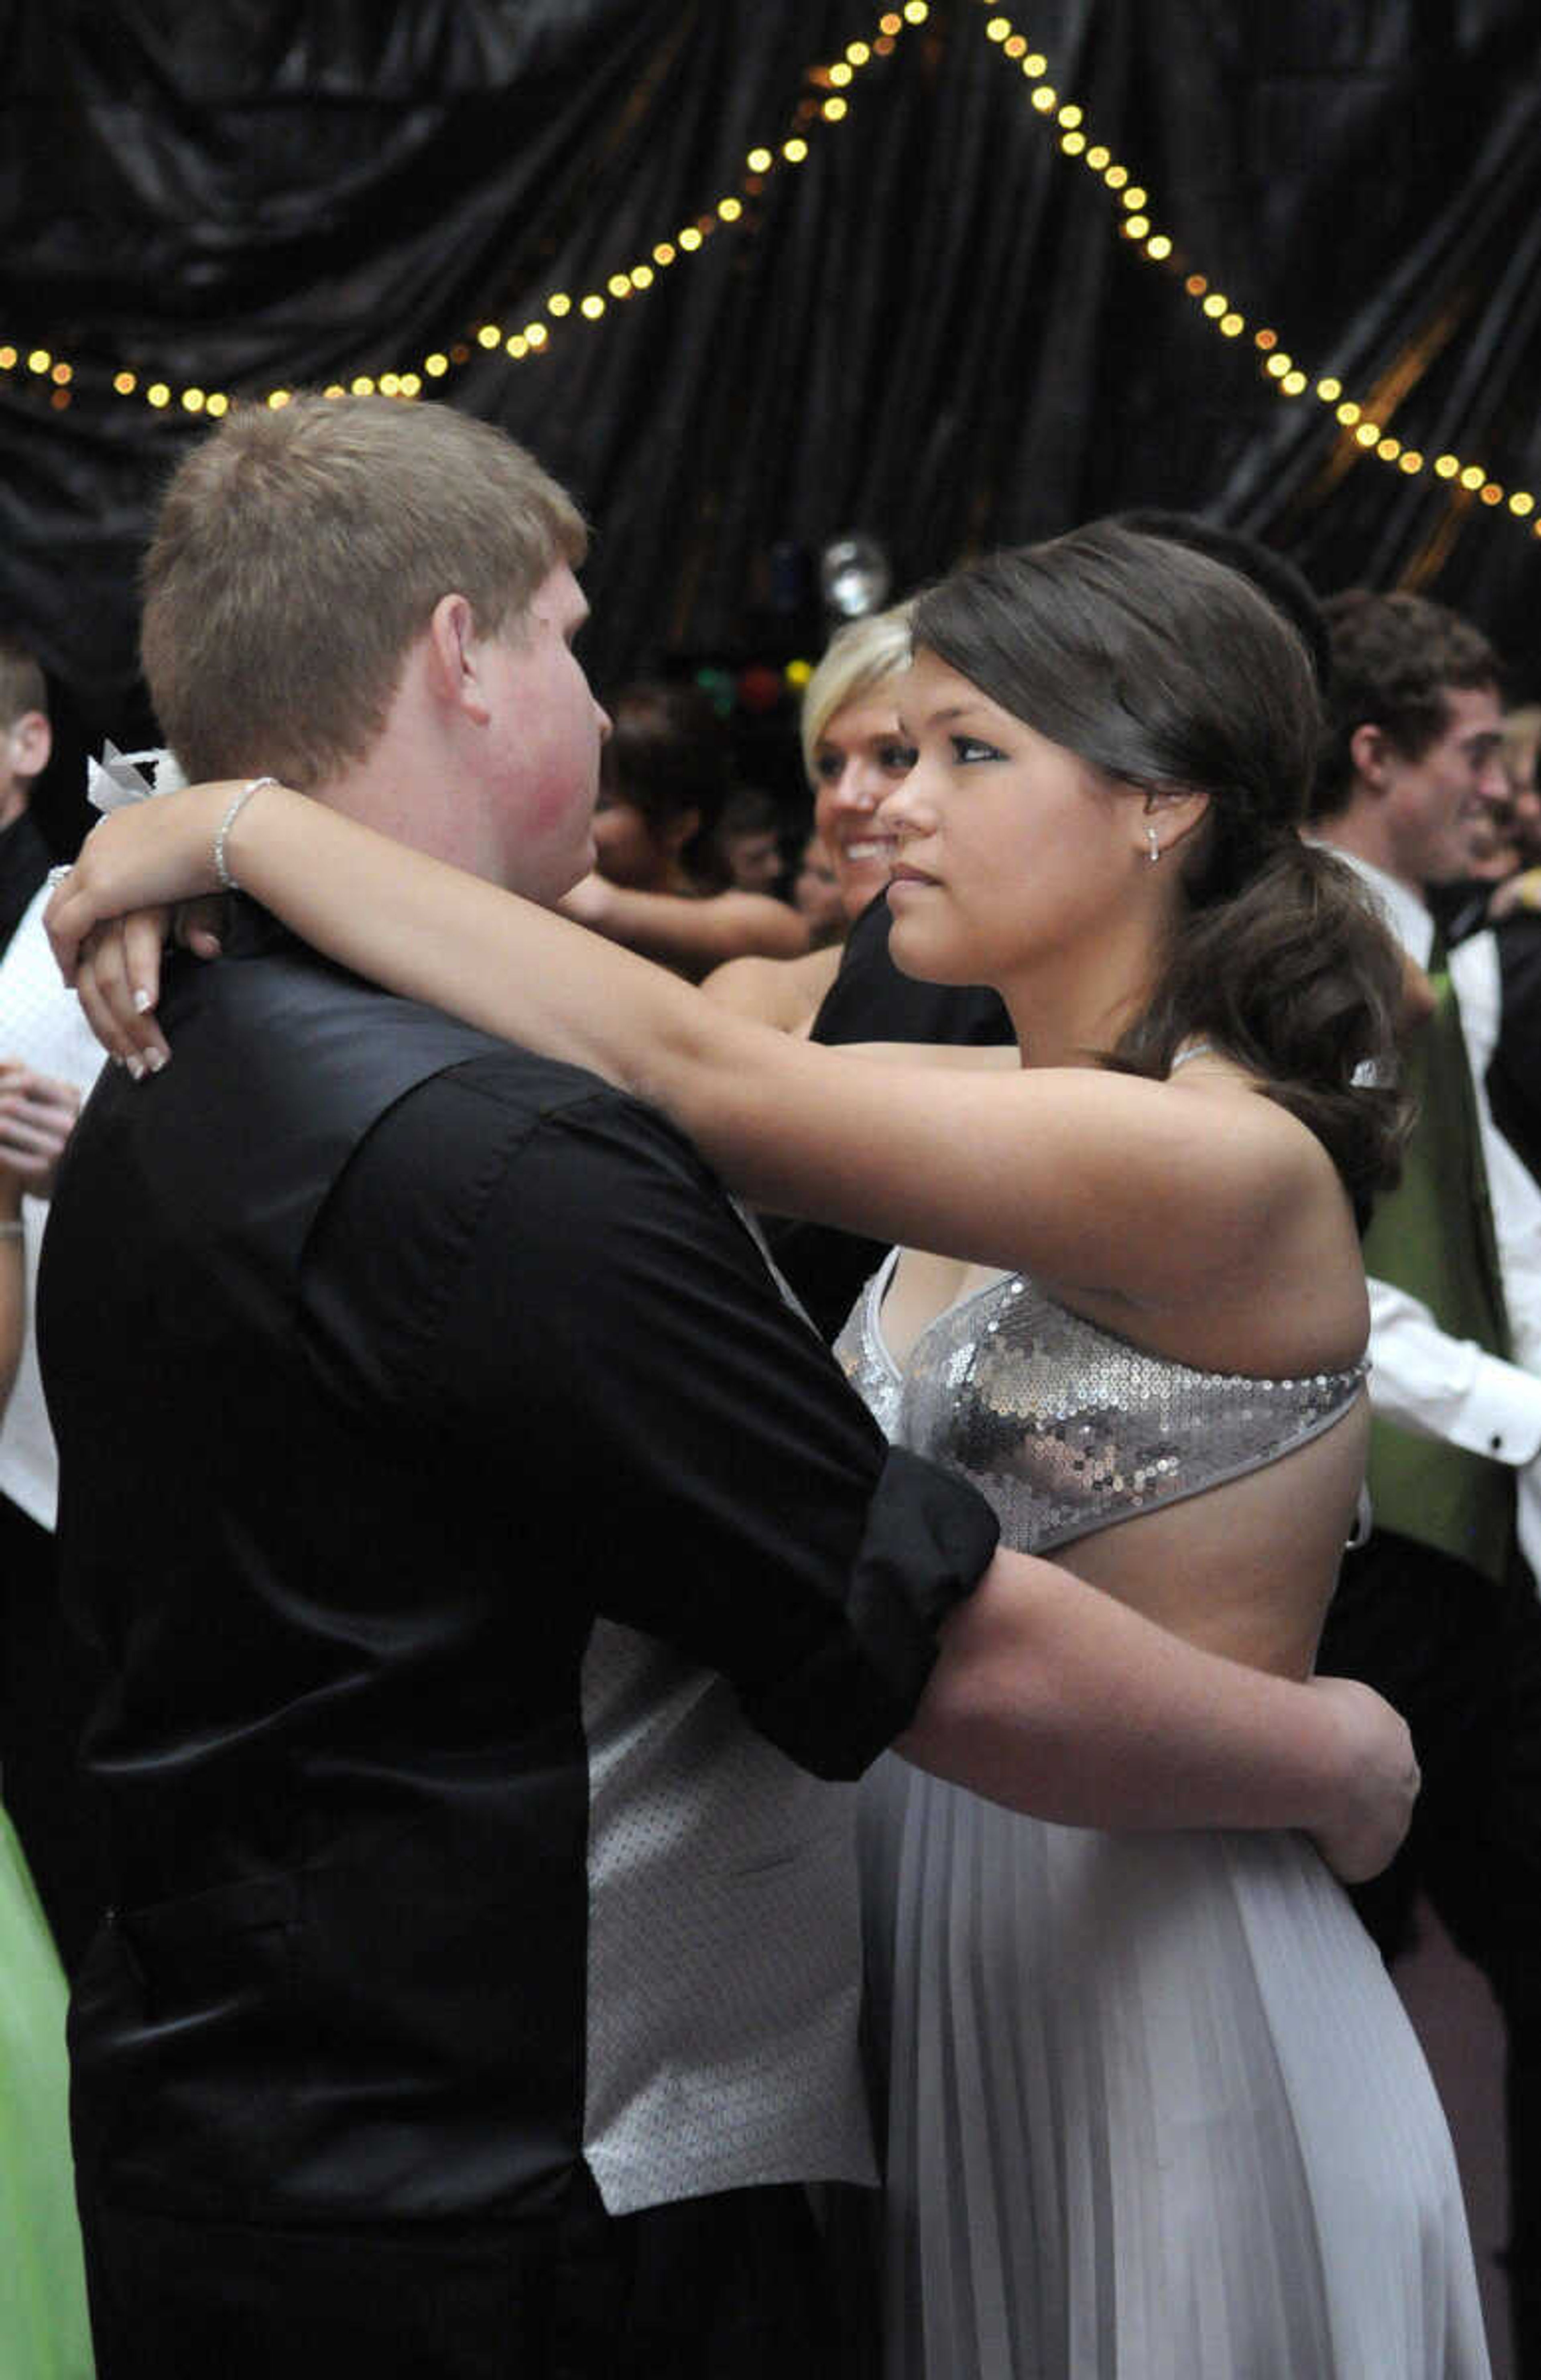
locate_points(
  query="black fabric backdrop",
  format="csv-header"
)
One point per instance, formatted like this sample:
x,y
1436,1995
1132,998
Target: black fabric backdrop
x,y
930,331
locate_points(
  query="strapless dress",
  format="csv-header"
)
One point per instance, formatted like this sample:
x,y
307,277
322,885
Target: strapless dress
x,y
1153,2108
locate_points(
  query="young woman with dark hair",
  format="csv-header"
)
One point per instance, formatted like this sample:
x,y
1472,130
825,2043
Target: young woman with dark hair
x,y
1152,2104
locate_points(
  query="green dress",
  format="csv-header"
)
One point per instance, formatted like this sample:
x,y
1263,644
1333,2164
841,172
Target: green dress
x,y
45,2334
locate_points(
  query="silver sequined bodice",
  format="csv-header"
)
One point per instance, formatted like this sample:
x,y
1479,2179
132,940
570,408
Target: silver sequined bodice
x,y
1064,1427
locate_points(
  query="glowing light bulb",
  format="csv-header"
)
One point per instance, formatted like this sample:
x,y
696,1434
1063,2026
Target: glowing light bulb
x,y
759,161
517,345
1491,493
362,386
1348,413
839,75
1522,504
592,305
1446,465
490,335
436,366
158,394
1044,98
1294,384
39,360
1116,176
192,400
1214,306
858,53
1070,117
1073,143
218,405
663,254
916,12
619,284
794,151
1232,325
124,382
1160,249
559,303
1329,390
1472,476
641,277
690,240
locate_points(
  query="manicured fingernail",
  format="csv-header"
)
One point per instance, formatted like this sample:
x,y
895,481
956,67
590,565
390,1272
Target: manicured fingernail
x,y
154,1060
142,1000
135,1067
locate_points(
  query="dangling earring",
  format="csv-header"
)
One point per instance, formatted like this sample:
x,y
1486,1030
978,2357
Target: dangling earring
x,y
1155,844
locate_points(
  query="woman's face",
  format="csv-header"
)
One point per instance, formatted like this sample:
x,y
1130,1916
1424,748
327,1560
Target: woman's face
x,y
858,758
1010,848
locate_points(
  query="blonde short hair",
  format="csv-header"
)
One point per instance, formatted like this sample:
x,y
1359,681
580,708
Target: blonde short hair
x,y
862,655
299,554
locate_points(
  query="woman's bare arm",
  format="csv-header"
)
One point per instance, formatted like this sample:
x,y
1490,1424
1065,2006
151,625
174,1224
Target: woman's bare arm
x,y
689,935
1081,1175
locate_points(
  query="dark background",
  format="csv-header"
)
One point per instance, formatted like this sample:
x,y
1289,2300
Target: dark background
x,y
932,330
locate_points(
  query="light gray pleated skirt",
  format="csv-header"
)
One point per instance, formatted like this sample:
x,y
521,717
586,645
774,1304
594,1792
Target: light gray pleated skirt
x,y
1154,2111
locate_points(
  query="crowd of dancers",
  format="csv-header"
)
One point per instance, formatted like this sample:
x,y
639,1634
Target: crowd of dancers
x,y
485,1591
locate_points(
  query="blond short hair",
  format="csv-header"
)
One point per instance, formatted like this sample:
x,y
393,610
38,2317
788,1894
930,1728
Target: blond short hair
x,y
22,685
862,655
299,554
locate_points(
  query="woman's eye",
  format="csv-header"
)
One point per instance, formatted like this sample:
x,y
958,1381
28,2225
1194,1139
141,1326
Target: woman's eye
x,y
827,766
973,748
896,760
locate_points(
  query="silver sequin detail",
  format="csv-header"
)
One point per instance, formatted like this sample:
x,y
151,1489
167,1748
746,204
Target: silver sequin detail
x,y
1064,1427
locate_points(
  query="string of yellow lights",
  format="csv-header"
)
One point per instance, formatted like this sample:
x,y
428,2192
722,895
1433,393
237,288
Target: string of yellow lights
x,y
1290,382
561,308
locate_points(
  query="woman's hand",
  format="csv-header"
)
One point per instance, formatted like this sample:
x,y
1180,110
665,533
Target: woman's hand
x,y
141,857
108,919
1381,1776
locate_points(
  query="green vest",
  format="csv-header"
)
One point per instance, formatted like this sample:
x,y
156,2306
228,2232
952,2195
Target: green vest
x,y
1433,1237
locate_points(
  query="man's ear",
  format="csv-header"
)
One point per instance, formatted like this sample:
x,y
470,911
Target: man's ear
x,y
453,652
1372,753
27,745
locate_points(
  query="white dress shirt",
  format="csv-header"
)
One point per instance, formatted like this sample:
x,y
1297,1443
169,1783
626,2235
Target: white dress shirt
x,y
41,1024
1423,1378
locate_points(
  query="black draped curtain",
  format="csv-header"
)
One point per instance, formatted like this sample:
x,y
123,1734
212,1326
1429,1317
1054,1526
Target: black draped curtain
x,y
931,330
